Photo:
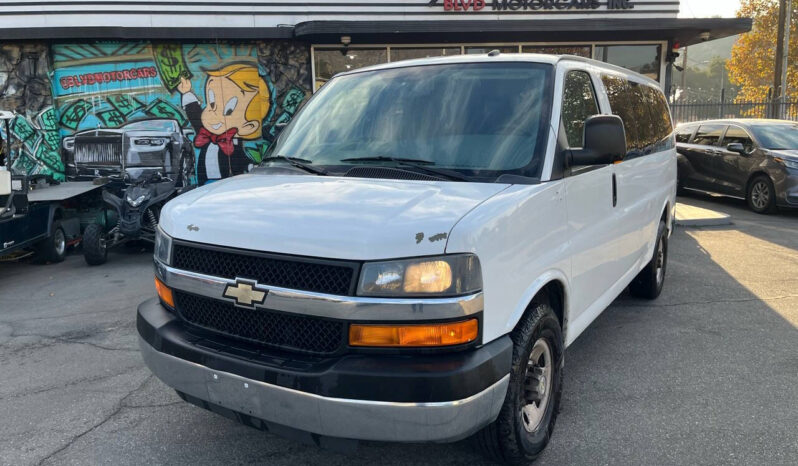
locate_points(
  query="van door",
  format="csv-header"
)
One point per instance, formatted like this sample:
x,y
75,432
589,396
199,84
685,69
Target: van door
x,y
731,168
592,225
644,175
705,149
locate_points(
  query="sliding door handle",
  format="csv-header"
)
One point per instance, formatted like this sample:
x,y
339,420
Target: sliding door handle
x,y
614,191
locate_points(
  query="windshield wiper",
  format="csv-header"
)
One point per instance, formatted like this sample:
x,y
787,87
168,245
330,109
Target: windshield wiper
x,y
418,164
296,162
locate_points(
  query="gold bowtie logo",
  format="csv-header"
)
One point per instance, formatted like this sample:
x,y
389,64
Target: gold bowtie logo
x,y
245,293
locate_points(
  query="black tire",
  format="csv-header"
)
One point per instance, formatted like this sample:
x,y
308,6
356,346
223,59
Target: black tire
x,y
53,248
511,438
185,170
761,196
649,282
94,250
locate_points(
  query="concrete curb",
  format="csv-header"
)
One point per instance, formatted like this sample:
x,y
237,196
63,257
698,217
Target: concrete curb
x,y
692,216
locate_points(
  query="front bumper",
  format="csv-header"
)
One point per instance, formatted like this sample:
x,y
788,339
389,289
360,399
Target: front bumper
x,y
787,189
384,397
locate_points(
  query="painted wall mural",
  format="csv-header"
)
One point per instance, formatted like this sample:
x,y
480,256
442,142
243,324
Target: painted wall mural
x,y
25,90
227,97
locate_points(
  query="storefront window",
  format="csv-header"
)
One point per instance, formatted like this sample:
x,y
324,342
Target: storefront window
x,y
402,53
643,59
487,48
578,50
329,62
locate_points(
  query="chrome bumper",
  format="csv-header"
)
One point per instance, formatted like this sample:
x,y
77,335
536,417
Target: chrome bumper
x,y
334,417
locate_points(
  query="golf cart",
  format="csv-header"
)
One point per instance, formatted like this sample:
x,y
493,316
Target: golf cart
x,y
144,176
39,215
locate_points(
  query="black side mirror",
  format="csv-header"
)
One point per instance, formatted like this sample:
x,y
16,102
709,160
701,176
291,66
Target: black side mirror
x,y
736,147
604,141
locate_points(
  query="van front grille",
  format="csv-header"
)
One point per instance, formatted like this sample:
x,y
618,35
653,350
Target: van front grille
x,y
104,153
320,276
303,334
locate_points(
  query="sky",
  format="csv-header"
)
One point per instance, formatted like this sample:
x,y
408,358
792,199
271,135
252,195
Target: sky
x,y
708,8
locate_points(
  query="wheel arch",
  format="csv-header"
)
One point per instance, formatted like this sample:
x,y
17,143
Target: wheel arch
x,y
551,288
753,175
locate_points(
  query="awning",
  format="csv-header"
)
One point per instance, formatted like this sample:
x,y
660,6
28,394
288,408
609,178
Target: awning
x,y
685,31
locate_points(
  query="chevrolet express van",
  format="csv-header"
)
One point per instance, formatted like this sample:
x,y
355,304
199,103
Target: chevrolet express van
x,y
421,245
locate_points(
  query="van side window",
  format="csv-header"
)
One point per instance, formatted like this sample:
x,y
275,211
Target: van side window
x,y
578,104
736,134
644,112
709,135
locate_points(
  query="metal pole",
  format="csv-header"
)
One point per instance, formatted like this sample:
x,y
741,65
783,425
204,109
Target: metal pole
x,y
777,90
786,59
684,74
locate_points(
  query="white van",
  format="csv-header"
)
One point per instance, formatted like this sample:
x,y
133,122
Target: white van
x,y
422,244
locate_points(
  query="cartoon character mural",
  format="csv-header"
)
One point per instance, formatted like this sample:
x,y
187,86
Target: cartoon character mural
x,y
237,101
222,97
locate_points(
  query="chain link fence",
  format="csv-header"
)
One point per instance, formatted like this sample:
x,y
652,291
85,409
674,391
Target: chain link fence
x,y
697,111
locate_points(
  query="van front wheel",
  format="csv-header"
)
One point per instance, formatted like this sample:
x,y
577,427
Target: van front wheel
x,y
530,408
648,283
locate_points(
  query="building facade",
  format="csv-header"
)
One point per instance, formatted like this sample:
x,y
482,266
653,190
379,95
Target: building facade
x,y
71,65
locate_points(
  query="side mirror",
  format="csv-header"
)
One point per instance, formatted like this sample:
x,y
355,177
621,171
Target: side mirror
x,y
5,182
604,141
736,147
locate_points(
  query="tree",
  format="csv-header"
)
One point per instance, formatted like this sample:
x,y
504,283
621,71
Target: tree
x,y
752,63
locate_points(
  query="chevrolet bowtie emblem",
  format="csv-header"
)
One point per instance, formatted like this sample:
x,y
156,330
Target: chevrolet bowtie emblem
x,y
245,293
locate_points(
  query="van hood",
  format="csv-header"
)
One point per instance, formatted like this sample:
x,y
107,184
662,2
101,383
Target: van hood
x,y
321,216
791,154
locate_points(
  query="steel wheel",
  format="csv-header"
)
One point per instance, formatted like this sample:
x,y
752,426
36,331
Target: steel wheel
x,y
760,195
537,385
660,262
59,242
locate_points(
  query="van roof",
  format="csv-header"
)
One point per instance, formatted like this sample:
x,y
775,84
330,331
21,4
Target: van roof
x,y
501,57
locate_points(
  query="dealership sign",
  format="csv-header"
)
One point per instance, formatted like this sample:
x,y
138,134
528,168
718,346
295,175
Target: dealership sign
x,y
529,5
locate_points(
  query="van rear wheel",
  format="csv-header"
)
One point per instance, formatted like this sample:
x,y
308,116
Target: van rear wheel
x,y
527,417
649,282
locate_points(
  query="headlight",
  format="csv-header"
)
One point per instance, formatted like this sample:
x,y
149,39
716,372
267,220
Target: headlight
x,y
69,144
137,201
149,141
425,276
789,163
163,246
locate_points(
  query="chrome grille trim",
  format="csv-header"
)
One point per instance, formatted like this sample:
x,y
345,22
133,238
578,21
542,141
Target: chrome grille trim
x,y
331,306
106,153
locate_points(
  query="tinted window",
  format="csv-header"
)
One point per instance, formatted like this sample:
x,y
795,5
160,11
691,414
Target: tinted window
x,y
482,119
643,59
777,137
579,103
683,134
709,135
738,135
644,112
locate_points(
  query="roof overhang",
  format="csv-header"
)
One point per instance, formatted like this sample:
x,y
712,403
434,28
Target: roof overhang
x,y
682,30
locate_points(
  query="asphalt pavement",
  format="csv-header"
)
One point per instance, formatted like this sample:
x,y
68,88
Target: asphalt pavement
x,y
707,374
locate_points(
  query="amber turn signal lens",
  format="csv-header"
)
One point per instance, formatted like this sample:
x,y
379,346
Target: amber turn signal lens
x,y
422,335
165,293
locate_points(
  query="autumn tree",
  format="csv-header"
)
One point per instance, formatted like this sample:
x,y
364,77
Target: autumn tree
x,y
753,59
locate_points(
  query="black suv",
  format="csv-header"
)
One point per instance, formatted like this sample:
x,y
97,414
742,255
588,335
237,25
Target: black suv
x,y
752,159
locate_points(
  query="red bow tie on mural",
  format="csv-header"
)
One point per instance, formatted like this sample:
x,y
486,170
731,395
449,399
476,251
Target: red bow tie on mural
x,y
224,140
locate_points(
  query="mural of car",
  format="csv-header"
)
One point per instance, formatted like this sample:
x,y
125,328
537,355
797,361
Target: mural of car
x,y
134,149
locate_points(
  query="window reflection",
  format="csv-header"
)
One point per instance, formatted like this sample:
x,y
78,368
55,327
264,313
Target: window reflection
x,y
329,62
402,53
578,50
643,59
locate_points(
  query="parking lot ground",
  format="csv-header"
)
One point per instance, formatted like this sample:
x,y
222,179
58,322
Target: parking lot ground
x,y
707,374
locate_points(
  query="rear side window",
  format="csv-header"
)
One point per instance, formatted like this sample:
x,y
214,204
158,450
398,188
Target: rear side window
x,y
738,135
709,135
683,134
644,112
579,104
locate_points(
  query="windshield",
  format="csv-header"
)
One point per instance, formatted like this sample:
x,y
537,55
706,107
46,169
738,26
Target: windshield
x,y
152,125
777,137
478,119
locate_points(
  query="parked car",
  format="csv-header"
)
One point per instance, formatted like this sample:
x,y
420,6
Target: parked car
x,y
755,160
424,241
136,148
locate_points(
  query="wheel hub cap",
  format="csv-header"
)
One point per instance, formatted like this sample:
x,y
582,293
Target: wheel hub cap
x,y
537,385
760,195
